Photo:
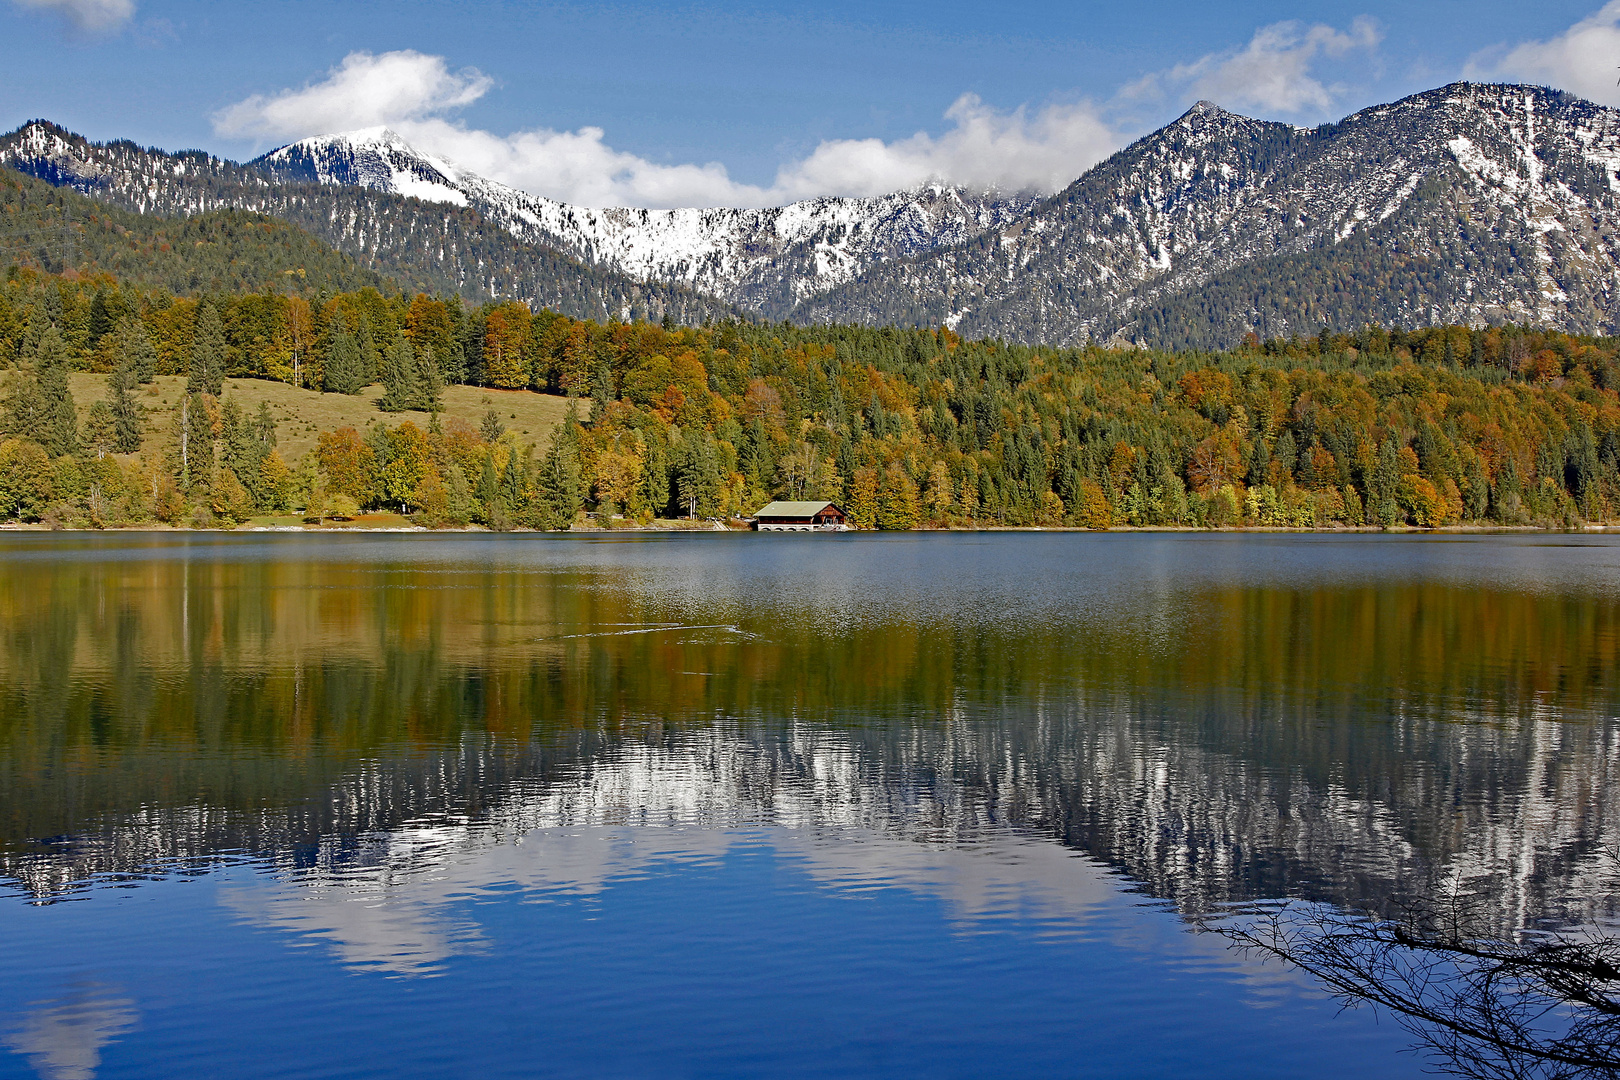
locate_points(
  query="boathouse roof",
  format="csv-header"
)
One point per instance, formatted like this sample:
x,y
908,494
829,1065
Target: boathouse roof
x,y
793,509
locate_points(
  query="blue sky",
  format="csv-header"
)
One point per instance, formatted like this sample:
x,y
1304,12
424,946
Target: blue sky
x,y
721,103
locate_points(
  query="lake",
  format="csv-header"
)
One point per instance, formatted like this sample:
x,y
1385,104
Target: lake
x,y
675,805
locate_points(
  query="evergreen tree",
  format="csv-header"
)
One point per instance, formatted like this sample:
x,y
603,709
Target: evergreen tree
x,y
126,414
429,382
264,427
207,353
697,475
370,355
136,350
601,389
562,487
488,492
100,321
491,427
344,371
1259,462
459,506
401,390
1382,508
243,449
59,430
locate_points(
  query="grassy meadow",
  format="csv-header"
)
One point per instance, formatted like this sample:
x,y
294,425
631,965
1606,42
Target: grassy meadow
x,y
301,415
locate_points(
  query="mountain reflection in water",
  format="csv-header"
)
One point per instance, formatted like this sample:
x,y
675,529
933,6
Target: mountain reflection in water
x,y
1222,719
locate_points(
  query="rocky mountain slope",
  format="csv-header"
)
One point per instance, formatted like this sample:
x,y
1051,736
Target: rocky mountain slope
x,y
1465,204
422,245
763,260
1470,203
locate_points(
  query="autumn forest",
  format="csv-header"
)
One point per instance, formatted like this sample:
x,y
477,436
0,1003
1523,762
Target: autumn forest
x,y
906,428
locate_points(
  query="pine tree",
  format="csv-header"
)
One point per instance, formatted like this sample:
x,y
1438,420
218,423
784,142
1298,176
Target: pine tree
x,y
207,353
429,382
264,427
136,350
562,488
370,355
401,390
127,420
59,430
1259,462
1382,509
697,476
491,427
488,491
344,366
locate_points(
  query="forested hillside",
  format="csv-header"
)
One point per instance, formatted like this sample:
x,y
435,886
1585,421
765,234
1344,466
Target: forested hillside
x,y
58,229
1475,204
429,246
906,428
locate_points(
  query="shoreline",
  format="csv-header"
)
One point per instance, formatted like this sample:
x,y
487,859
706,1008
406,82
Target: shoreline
x,y
1461,530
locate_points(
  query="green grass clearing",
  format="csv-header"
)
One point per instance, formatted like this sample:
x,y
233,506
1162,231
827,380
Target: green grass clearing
x,y
301,415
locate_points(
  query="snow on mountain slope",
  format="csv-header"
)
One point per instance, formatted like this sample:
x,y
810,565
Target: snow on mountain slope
x,y
764,259
1477,203
431,245
374,158
1469,203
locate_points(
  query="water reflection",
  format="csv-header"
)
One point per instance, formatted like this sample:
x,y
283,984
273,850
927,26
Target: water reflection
x,y
1221,721
62,1037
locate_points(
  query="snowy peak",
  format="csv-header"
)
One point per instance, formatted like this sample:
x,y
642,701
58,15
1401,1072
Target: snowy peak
x,y
766,259
1470,203
372,158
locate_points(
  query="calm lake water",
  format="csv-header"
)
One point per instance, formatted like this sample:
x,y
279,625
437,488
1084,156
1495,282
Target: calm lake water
x,y
711,805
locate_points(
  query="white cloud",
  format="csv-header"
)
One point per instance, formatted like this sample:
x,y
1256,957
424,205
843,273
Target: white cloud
x,y
1272,74
90,16
1582,59
413,93
983,148
1041,149
363,91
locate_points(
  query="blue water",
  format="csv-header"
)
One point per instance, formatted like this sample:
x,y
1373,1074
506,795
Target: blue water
x,y
740,953
867,806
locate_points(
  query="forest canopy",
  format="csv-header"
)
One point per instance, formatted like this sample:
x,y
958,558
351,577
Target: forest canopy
x,y
905,428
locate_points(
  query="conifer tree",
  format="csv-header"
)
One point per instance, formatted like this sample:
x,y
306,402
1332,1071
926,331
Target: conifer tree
x,y
1382,509
136,350
429,382
1259,461
488,491
491,427
370,355
207,353
562,487
344,365
127,422
59,430
264,427
401,390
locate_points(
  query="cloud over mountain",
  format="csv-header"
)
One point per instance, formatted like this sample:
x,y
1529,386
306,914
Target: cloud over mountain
x,y
1582,59
417,94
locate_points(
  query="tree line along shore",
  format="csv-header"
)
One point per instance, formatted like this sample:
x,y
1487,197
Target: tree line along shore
x,y
126,406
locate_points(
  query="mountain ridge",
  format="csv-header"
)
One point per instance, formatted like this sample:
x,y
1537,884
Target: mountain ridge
x,y
1470,203
765,259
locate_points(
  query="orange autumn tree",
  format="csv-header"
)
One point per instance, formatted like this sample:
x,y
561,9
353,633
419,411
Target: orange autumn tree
x,y
506,337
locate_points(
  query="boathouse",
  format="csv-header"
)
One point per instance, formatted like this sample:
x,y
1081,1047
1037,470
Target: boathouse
x,y
801,517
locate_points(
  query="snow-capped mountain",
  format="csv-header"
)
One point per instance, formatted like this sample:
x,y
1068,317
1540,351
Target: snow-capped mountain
x,y
421,245
764,260
1470,203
